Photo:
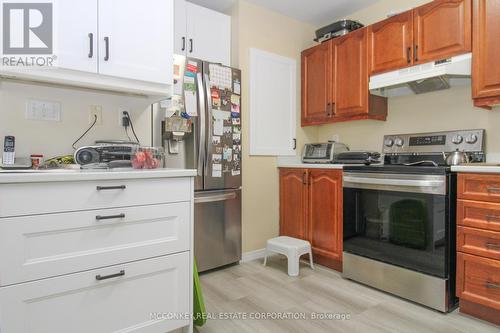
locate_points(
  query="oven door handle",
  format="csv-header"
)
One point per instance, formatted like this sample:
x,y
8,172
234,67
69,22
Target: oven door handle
x,y
393,182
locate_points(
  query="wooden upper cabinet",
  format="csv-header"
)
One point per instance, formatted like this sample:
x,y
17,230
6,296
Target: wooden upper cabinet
x,y
442,29
351,74
317,89
486,51
293,202
325,212
390,43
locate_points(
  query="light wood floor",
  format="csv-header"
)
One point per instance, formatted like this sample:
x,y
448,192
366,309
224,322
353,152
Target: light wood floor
x,y
252,288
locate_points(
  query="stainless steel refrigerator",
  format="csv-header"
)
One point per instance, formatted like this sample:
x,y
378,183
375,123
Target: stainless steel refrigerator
x,y
211,100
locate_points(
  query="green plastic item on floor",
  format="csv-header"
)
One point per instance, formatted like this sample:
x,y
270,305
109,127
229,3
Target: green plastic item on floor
x,y
199,312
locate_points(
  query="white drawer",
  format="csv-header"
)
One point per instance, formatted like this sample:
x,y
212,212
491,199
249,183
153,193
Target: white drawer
x,y
79,303
42,198
41,246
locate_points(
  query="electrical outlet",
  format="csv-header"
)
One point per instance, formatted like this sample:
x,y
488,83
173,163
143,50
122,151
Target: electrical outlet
x,y
335,138
121,115
95,110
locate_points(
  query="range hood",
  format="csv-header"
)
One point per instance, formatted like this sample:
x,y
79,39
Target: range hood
x,y
432,76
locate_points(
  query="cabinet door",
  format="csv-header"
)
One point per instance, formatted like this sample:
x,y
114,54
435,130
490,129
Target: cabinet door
x,y
486,49
136,39
209,34
293,203
180,27
442,29
117,298
76,35
391,43
351,74
317,89
325,213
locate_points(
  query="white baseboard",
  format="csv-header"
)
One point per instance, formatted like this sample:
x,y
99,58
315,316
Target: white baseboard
x,y
253,255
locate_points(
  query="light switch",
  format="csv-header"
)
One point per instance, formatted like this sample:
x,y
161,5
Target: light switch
x,y
43,110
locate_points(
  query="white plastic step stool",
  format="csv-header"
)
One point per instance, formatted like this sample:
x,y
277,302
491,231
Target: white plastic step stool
x,y
292,248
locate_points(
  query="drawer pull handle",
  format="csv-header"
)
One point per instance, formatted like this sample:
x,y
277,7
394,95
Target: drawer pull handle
x,y
106,277
493,246
108,188
491,285
493,189
492,217
109,217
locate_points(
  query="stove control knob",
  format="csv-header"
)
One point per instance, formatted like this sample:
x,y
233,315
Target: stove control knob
x,y
399,142
471,139
389,142
457,139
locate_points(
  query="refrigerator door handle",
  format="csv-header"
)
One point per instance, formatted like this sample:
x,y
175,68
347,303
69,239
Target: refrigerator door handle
x,y
209,109
215,197
202,135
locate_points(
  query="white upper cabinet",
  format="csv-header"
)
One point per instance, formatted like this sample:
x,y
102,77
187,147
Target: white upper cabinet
x,y
202,33
136,39
180,27
114,45
76,34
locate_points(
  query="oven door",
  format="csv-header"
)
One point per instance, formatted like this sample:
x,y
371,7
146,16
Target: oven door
x,y
399,219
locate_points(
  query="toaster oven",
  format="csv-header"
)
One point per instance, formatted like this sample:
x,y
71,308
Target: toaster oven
x,y
322,153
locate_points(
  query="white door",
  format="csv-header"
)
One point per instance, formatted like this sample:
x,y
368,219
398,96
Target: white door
x,y
136,39
180,27
209,35
121,298
76,34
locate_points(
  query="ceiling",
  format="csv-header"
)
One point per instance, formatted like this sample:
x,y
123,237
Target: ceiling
x,y
315,12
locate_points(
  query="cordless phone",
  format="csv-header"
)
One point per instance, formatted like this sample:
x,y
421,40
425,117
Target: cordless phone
x,y
9,150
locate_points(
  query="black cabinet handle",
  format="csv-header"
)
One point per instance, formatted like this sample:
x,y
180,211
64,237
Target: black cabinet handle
x,y
110,217
183,44
491,285
416,53
190,45
106,277
106,43
493,246
91,48
294,144
408,55
108,188
304,178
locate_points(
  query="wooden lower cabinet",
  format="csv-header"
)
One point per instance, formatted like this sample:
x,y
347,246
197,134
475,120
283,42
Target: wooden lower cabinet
x,y
478,246
293,202
311,209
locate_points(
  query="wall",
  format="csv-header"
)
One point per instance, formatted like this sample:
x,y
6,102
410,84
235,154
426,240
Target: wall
x,y
256,27
55,138
437,111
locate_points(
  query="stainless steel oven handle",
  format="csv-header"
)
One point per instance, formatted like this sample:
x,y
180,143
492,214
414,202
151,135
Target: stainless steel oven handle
x,y
393,182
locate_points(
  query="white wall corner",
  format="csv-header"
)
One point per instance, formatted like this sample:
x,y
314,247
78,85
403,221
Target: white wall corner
x,y
253,255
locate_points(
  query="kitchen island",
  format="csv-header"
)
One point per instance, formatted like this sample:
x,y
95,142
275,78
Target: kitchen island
x,y
96,251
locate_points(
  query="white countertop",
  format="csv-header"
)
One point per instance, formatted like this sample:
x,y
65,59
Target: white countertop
x,y
296,162
61,175
301,165
477,168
